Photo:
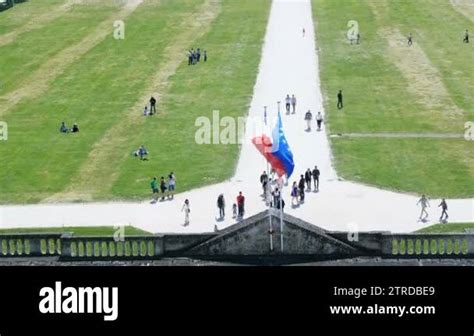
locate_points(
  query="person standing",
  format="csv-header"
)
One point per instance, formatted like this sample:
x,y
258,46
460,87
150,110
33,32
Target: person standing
x,y
444,207
301,186
186,208
171,185
316,174
293,103
234,210
288,103
319,120
198,55
221,206
205,55
241,204
276,197
410,40
154,188
190,57
340,104
152,105
145,111
294,194
308,117
264,182
466,37
424,204
163,188
307,179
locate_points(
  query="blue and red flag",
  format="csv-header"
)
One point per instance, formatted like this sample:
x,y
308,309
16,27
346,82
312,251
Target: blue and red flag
x,y
276,150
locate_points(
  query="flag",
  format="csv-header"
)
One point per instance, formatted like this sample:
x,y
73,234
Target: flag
x,y
276,150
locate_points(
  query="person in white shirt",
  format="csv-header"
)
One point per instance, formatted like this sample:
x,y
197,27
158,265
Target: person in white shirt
x,y
293,103
424,204
186,210
308,116
319,120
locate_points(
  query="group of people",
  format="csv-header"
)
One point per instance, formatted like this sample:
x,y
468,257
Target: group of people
x,y
289,103
424,203
238,208
64,129
308,181
166,187
194,56
141,152
308,117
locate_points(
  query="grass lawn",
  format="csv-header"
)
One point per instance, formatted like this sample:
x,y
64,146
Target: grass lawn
x,y
106,87
447,228
80,231
389,87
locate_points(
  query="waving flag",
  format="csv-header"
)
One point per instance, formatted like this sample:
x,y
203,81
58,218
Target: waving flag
x,y
276,150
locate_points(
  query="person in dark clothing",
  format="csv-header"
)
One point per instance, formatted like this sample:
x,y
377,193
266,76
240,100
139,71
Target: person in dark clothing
x,y
301,185
316,174
307,178
152,105
276,196
264,182
205,56
410,40
241,204
282,204
466,37
75,128
198,55
163,188
190,57
221,205
63,128
444,207
340,105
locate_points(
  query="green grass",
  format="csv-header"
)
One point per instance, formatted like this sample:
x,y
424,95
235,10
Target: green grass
x,y
379,97
447,228
102,88
79,231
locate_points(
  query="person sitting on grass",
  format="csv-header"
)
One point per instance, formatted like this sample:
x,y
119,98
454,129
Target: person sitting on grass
x,y
75,128
63,128
141,152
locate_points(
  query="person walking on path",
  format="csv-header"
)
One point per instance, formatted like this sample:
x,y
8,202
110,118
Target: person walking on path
x,y
444,207
163,188
234,210
410,40
466,37
221,206
307,178
308,117
424,204
154,189
301,186
294,194
316,174
319,120
171,185
340,104
241,204
186,208
288,103
152,105
293,103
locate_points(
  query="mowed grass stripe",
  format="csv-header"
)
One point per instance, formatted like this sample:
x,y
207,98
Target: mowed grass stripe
x,y
40,80
436,167
22,15
97,91
465,8
43,15
224,83
28,53
99,172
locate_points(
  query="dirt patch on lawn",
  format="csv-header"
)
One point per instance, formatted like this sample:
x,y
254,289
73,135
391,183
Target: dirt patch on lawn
x,y
99,172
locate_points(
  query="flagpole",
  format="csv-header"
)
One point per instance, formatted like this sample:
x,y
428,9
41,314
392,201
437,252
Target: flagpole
x,y
281,216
